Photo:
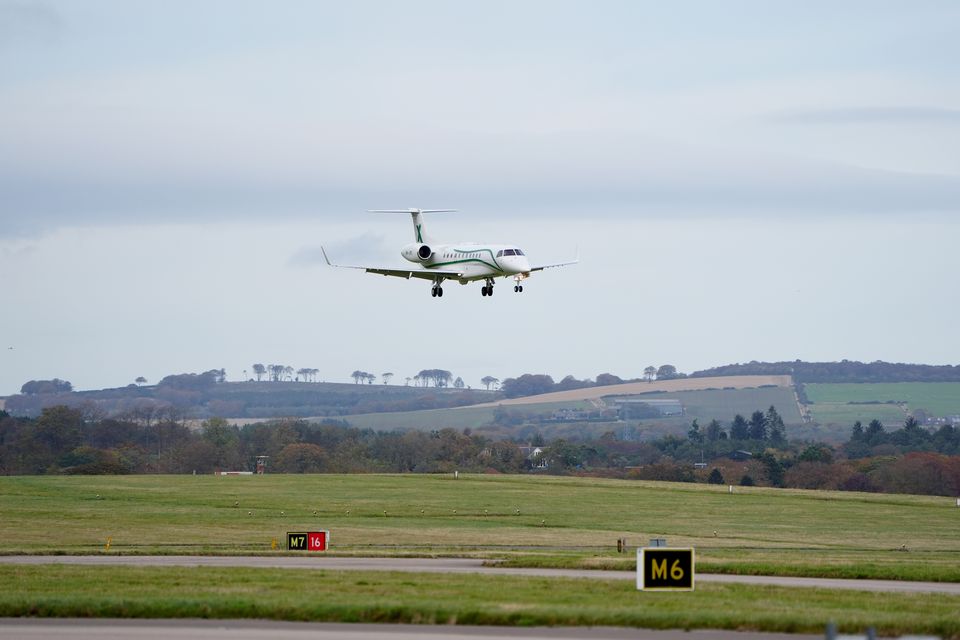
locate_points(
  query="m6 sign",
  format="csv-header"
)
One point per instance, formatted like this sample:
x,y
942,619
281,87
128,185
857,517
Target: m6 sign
x,y
308,541
664,569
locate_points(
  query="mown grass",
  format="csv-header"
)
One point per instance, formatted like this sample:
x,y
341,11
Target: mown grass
x,y
576,521
299,595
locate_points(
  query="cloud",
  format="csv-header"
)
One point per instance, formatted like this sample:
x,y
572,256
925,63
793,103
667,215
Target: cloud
x,y
28,22
368,247
870,115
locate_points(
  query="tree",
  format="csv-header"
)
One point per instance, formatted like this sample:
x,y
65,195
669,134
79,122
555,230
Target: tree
x,y
140,380
357,376
739,429
875,434
778,433
302,374
758,426
527,385
605,379
259,370
440,377
694,434
408,379
300,458
225,440
386,377
650,373
458,383
715,477
36,387
276,371
488,380
666,372
714,430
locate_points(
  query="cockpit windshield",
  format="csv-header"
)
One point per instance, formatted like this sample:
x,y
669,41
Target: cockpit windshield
x,y
509,252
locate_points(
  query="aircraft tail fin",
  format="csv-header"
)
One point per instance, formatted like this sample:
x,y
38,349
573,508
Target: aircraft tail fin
x,y
419,230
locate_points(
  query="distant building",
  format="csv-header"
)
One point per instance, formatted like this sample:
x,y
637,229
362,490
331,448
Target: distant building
x,y
642,407
740,455
535,456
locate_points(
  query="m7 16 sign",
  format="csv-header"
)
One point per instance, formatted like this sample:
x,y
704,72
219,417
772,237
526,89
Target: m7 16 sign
x,y
664,569
308,541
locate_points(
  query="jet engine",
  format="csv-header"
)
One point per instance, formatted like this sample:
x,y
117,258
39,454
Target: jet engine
x,y
417,252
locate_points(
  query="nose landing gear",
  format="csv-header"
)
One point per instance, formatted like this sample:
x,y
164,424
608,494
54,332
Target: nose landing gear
x,y
517,287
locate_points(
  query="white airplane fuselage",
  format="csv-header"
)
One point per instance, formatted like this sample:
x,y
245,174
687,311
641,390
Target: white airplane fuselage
x,y
475,261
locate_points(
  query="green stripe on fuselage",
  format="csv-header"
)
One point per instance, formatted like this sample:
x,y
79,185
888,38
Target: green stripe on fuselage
x,y
495,266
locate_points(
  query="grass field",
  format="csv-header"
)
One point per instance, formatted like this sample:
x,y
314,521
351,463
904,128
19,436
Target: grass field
x,y
832,401
561,521
132,592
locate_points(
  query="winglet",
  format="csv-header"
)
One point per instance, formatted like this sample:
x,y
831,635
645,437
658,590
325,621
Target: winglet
x,y
324,251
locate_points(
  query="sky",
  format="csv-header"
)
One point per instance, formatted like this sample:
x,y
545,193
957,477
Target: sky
x,y
746,180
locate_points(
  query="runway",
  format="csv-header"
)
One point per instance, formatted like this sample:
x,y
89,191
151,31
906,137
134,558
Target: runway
x,y
466,566
84,629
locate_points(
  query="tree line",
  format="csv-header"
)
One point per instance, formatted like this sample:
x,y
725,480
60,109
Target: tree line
x,y
66,441
843,371
530,384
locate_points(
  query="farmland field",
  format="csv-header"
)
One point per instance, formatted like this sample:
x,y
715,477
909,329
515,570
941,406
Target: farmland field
x,y
831,402
704,405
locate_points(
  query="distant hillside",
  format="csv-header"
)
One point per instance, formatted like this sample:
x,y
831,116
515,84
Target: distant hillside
x,y
843,371
250,399
661,386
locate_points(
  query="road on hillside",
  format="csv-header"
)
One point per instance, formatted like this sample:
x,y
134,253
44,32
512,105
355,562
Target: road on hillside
x,y
108,629
464,565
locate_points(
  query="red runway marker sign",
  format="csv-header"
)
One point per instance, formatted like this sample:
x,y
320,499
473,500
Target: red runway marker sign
x,y
308,541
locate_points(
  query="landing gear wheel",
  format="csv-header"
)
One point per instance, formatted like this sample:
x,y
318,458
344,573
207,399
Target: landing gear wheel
x,y
520,287
516,288
439,292
483,291
433,292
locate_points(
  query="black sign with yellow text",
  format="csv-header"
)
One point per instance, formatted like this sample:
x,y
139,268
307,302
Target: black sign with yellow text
x,y
664,569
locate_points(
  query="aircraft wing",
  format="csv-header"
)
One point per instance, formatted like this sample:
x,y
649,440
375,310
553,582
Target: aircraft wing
x,y
559,264
426,274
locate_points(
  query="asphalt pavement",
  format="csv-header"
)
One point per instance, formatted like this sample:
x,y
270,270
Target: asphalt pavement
x,y
464,565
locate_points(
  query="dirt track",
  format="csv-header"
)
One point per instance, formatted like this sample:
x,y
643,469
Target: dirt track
x,y
633,388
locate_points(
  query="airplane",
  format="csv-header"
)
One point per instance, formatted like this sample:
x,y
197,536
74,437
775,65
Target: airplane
x,y
463,262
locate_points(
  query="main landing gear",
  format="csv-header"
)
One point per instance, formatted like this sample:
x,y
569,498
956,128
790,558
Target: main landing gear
x,y
487,290
437,290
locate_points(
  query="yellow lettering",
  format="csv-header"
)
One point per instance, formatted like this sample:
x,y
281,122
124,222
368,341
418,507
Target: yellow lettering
x,y
676,571
658,571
